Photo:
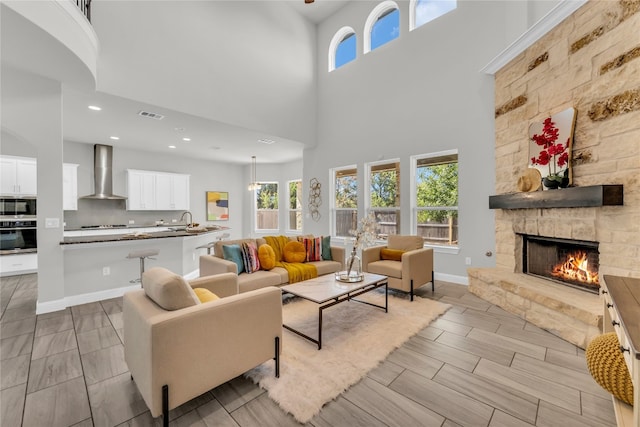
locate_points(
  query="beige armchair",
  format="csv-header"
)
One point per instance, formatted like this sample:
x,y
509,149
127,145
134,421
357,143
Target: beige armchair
x,y
404,260
179,353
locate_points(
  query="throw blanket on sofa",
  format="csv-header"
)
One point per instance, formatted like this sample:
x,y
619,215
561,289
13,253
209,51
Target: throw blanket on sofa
x,y
297,271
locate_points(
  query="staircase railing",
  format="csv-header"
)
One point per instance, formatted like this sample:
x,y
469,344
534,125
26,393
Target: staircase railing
x,y
85,7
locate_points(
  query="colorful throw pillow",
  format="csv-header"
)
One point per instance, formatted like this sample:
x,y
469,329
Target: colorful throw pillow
x,y
326,248
167,289
267,257
391,254
233,253
313,248
294,252
250,257
205,295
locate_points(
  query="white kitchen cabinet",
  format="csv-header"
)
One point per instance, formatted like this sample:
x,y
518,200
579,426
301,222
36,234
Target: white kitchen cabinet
x,y
70,187
141,190
11,265
157,191
19,176
172,192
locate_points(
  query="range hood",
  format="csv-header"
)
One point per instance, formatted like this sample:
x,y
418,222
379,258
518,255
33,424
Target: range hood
x,y
102,174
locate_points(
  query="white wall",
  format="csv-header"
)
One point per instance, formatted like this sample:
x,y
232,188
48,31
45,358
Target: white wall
x,y
32,111
420,93
245,63
14,146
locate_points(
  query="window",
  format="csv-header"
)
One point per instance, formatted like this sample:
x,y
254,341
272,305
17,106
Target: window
x,y
435,201
423,11
295,206
345,201
342,48
267,206
382,26
384,196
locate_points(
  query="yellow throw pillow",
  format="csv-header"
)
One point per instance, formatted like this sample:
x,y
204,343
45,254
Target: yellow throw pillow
x,y
205,295
267,257
294,252
391,254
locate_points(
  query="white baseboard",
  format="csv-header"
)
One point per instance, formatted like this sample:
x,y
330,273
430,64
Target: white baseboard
x,y
61,304
461,280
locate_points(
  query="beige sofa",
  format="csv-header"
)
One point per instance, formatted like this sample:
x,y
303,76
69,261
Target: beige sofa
x,y
413,269
216,264
175,355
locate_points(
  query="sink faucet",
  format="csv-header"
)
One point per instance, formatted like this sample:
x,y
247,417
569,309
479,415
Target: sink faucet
x,y
190,217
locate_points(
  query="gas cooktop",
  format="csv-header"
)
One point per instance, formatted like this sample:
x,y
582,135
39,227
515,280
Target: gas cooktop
x,y
105,226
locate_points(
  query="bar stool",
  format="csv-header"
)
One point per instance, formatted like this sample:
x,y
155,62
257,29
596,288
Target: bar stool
x,y
142,254
208,247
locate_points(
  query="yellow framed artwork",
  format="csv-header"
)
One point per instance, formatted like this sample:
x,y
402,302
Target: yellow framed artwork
x,y
217,206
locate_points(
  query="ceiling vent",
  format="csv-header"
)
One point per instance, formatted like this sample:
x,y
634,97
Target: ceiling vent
x,y
150,115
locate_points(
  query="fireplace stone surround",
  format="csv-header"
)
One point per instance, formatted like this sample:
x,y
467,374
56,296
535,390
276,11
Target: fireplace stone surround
x,y
583,62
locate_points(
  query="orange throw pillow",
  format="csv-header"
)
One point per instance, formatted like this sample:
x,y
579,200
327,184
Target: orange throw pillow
x,y
267,257
294,252
391,254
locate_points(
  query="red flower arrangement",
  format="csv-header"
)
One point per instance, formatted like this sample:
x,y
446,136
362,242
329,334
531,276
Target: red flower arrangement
x,y
551,153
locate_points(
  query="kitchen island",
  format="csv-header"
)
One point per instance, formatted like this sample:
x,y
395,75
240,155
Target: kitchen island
x,y
96,266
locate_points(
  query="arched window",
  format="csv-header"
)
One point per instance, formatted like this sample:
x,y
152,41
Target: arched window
x,y
423,11
342,48
382,26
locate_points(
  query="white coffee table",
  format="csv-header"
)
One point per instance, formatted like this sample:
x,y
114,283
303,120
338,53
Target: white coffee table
x,y
326,291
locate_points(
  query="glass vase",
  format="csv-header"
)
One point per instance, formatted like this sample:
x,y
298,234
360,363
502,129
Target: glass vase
x,y
354,265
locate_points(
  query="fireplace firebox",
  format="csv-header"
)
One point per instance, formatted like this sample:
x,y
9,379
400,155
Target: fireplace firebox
x,y
569,262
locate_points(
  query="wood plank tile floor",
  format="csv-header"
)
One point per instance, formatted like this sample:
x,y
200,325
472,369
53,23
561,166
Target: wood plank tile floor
x,y
476,365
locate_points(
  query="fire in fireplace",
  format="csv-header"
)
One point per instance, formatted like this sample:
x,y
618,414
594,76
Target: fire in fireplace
x,y
570,262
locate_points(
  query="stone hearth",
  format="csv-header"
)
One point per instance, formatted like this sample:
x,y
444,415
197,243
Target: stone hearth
x,y
572,314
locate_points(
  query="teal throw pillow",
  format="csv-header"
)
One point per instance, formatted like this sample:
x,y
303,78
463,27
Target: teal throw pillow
x,y
326,248
233,253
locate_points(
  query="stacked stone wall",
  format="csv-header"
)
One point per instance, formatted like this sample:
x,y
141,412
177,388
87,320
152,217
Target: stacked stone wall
x,y
590,61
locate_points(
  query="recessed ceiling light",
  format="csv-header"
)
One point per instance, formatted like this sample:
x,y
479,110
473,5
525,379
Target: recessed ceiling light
x,y
186,139
114,138
172,146
94,108
266,141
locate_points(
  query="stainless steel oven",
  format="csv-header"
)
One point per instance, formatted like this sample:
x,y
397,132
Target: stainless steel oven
x,y
17,207
18,236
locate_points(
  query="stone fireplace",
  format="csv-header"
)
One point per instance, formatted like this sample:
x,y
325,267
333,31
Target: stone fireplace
x,y
585,62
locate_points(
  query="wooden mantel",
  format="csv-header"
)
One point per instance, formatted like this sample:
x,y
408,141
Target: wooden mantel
x,y
572,197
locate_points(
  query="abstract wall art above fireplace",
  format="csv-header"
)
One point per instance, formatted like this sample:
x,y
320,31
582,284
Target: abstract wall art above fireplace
x,y
550,144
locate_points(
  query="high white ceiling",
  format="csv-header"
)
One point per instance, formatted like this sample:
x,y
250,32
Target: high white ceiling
x,y
209,139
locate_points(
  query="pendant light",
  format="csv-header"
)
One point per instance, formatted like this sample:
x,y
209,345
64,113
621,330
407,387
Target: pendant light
x,y
253,185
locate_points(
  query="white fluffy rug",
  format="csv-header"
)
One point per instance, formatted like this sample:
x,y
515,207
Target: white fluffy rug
x,y
355,339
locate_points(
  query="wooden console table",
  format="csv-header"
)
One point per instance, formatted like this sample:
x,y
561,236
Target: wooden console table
x,y
622,316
